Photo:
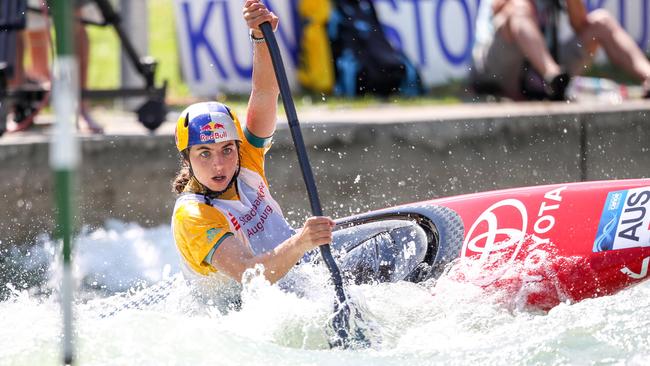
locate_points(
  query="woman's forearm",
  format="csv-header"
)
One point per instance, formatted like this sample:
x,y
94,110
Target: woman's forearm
x,y
263,102
234,257
280,260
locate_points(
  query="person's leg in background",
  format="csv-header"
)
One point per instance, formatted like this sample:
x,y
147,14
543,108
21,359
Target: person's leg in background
x,y
603,30
24,112
18,76
497,66
520,26
85,123
38,43
17,68
518,38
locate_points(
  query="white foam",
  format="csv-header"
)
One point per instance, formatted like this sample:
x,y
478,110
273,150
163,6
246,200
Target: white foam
x,y
443,322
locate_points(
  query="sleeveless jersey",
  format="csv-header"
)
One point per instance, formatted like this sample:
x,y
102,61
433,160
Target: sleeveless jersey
x,y
199,224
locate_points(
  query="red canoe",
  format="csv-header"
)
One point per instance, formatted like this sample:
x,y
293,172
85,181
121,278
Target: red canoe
x,y
543,244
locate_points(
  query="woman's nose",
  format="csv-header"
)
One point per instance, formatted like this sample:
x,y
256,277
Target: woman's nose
x,y
219,162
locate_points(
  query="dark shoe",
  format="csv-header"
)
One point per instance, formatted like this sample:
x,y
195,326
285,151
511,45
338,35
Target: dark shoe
x,y
557,86
532,84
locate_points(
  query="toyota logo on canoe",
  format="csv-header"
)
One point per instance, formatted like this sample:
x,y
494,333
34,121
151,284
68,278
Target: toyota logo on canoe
x,y
487,236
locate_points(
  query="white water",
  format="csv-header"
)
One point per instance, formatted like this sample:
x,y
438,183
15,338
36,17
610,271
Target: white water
x,y
459,325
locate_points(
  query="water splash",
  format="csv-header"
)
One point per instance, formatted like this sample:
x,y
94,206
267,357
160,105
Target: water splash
x,y
438,322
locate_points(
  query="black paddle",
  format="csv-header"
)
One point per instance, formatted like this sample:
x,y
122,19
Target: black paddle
x,y
341,321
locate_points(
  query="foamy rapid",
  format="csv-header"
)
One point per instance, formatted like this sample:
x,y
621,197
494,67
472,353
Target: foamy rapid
x,y
133,307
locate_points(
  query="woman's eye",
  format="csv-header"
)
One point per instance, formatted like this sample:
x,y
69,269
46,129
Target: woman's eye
x,y
227,151
205,154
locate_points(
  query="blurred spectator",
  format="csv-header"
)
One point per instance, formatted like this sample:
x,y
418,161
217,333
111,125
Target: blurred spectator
x,y
38,40
511,34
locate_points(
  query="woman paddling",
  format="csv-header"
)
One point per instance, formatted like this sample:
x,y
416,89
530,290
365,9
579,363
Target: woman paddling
x,y
225,220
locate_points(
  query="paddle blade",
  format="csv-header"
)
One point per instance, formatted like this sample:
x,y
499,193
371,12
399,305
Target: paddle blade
x,y
349,328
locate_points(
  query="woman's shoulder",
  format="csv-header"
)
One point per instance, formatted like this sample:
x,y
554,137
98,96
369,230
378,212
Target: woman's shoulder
x,y
252,156
192,208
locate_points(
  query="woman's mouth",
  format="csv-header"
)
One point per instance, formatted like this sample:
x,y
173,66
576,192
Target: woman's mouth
x,y
219,178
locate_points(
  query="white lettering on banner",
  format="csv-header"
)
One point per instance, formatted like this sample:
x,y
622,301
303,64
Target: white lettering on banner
x,y
494,238
640,275
437,35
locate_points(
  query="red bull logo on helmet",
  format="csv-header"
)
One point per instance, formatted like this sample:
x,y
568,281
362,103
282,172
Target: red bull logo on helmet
x,y
213,131
212,126
206,123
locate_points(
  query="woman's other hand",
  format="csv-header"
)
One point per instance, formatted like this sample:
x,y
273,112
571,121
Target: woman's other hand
x,y
316,231
256,13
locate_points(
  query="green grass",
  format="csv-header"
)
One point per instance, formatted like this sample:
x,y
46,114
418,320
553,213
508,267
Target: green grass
x,y
162,38
104,64
610,71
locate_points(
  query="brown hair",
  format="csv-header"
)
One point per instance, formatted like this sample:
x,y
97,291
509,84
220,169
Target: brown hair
x,y
183,176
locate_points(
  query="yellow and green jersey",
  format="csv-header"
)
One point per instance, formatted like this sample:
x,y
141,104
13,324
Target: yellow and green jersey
x,y
246,211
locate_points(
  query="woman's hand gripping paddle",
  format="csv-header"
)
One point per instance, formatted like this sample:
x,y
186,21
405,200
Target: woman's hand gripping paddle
x,y
341,320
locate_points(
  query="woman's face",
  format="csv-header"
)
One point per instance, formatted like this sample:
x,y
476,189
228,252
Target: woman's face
x,y
214,165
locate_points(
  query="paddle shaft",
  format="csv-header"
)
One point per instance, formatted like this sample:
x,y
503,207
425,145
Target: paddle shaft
x,y
303,159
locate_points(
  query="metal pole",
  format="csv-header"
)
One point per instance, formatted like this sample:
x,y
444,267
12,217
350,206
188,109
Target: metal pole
x,y
134,15
64,153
